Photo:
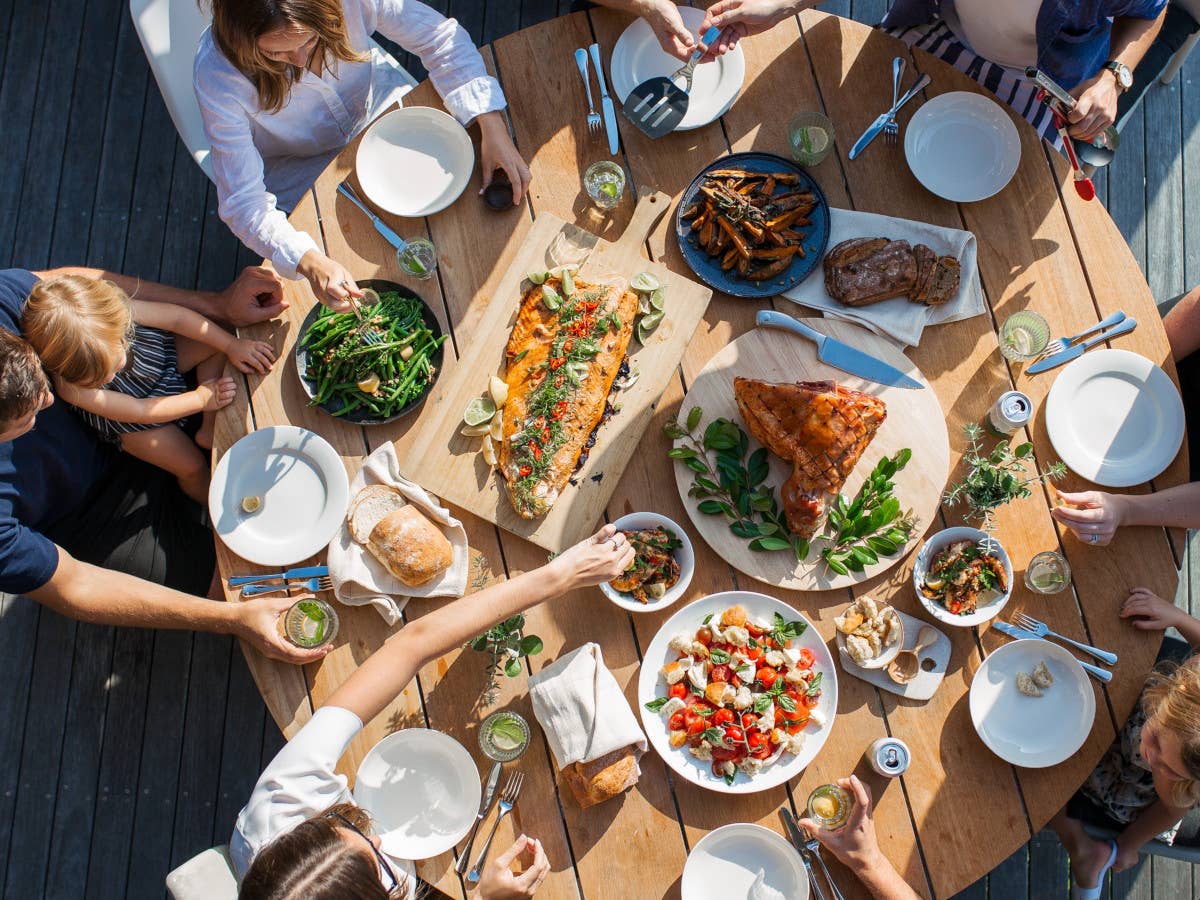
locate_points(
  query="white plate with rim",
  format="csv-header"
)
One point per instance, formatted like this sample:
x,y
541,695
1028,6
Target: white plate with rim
x,y
637,57
303,487
651,684
414,161
1115,418
1033,732
422,790
935,545
725,863
962,146
685,556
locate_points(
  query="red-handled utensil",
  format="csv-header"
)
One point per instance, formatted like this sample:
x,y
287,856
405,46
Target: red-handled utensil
x,y
1083,185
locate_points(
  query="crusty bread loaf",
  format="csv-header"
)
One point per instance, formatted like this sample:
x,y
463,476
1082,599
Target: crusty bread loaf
x,y
397,534
604,778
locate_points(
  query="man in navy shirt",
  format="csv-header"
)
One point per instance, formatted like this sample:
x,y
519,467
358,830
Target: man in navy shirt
x,y
94,533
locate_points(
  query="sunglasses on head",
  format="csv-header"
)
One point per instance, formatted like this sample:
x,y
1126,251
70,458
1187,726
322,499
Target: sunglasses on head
x,y
384,866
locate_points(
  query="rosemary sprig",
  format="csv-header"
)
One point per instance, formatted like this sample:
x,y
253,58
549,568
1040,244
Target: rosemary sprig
x,y
996,478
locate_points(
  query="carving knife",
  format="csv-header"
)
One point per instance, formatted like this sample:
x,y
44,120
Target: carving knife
x,y
840,356
489,794
1076,350
606,103
1021,634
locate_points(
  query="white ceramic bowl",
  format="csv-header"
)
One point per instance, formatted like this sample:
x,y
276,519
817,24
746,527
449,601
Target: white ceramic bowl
x,y
725,863
414,161
684,555
962,146
882,659
932,547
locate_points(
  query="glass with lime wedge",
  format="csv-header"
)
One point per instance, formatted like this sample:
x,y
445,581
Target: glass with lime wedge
x,y
1048,573
503,736
811,137
310,623
417,258
605,183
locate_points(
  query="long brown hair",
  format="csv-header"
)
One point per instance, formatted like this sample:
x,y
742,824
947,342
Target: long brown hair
x,y
314,861
1171,700
238,24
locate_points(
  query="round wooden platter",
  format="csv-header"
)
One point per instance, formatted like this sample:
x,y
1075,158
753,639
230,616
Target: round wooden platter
x,y
914,420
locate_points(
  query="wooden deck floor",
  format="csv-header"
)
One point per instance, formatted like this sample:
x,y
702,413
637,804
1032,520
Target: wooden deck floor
x,y
125,752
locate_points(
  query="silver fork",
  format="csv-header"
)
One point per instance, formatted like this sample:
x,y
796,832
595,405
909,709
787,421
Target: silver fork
x,y
508,800
1042,630
814,847
593,119
1060,344
891,130
323,583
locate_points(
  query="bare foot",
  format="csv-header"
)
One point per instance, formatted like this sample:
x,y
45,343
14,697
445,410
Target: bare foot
x,y
1087,859
204,437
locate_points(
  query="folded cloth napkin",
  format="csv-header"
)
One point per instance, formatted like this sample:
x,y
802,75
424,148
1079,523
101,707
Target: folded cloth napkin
x,y
898,318
359,578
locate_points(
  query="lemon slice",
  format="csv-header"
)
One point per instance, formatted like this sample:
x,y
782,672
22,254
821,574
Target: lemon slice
x,y
369,297
934,583
475,430
812,139
479,411
489,451
496,429
251,504
507,735
644,281
370,384
538,277
497,390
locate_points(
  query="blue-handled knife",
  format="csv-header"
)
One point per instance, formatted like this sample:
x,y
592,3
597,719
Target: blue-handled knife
x,y
841,356
390,236
1077,350
606,103
308,572
878,125
1022,635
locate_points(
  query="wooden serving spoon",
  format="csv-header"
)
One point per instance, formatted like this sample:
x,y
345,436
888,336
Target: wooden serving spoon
x,y
907,664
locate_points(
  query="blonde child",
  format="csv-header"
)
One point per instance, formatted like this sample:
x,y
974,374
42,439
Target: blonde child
x,y
121,361
1150,776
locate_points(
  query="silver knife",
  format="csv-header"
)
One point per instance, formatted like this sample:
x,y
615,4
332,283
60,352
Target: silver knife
x,y
390,236
606,103
307,572
489,794
1077,350
1021,634
797,839
840,356
876,127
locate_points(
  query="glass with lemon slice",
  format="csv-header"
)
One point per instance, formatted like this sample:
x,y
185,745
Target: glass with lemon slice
x,y
503,736
811,137
1048,573
310,623
830,806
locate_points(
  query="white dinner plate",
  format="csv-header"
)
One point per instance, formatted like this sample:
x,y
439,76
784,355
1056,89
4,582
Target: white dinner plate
x,y
303,487
726,862
1115,418
651,684
1034,732
422,790
414,161
962,146
637,57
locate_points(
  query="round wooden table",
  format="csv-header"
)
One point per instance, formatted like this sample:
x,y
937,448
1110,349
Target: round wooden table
x,y
960,810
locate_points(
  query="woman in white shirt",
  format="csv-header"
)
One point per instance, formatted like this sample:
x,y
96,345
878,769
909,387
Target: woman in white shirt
x,y
284,85
301,834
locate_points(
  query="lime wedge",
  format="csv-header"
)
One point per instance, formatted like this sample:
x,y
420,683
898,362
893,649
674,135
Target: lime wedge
x,y
644,281
537,277
568,283
1047,580
507,734
610,190
479,410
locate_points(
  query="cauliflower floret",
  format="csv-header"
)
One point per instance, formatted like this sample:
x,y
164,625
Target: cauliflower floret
x,y
737,636
743,698
703,751
681,643
728,695
675,672
767,720
671,707
774,658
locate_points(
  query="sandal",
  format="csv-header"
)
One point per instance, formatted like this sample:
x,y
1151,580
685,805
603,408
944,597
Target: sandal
x,y
1093,893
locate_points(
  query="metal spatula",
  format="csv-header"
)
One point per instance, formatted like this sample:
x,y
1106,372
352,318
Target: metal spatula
x,y
657,105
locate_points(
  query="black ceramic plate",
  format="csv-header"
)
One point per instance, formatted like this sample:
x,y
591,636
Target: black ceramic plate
x,y
362,417
708,268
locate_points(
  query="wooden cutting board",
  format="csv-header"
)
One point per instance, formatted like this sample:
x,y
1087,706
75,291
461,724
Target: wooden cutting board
x,y
914,420
450,465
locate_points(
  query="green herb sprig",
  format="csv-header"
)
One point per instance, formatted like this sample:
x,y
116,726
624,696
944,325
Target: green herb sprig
x,y
996,478
871,525
507,646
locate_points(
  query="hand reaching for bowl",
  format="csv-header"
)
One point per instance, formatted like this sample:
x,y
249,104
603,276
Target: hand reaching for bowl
x,y
331,282
600,558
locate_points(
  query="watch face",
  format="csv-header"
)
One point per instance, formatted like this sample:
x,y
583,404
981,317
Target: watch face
x,y
1123,73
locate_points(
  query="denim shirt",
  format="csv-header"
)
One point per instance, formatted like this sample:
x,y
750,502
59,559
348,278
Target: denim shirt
x,y
1072,37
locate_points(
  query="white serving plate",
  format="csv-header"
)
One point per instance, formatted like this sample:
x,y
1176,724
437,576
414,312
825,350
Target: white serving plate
x,y
422,789
1034,732
414,161
962,146
637,57
685,556
304,492
725,863
932,547
651,684
1115,418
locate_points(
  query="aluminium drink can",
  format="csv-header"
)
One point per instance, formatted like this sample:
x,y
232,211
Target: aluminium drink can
x,y
1012,411
889,756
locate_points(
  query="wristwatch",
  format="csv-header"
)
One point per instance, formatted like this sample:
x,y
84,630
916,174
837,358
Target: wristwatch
x,y
1122,73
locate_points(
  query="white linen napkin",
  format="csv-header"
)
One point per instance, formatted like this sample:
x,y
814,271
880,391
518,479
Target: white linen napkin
x,y
582,709
359,578
898,318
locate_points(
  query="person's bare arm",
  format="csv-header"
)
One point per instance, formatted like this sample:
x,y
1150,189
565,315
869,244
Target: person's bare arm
x,y
92,594
184,322
1150,822
1097,97
385,673
1100,513
119,407
1183,325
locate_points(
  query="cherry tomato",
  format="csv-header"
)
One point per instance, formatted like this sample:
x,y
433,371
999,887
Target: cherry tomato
x,y
728,648
734,680
801,714
758,741
719,673
678,690
695,724
754,653
748,720
722,717
734,735
761,752
766,676
754,630
704,635
806,659
955,606
721,754
676,722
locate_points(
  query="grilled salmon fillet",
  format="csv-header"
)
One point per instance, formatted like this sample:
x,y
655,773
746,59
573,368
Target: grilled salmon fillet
x,y
562,356
820,427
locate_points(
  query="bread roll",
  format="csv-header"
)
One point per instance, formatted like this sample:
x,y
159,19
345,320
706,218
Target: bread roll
x,y
397,534
604,778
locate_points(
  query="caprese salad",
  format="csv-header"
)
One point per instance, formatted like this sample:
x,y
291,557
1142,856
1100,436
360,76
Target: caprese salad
x,y
740,695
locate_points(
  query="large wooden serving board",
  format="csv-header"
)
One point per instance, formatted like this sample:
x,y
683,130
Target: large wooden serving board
x,y
450,465
914,420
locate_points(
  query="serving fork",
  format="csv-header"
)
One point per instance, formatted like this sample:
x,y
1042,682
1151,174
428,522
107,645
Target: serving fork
x,y
1042,630
512,789
593,118
1060,344
321,583
891,130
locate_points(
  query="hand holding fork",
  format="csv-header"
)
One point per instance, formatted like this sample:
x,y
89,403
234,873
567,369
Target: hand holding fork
x,y
512,789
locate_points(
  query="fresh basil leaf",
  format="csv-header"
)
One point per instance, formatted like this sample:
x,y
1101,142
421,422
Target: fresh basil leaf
x,y
786,703
708,618
762,704
702,712
714,736
657,703
729,779
814,686
718,656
